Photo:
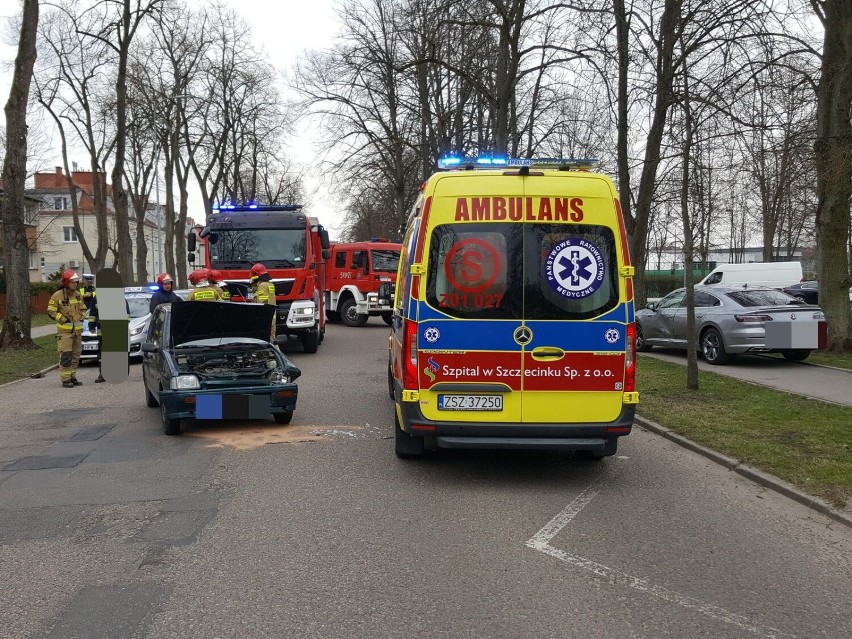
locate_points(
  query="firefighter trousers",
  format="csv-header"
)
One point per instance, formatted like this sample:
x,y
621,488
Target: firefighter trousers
x,y
69,344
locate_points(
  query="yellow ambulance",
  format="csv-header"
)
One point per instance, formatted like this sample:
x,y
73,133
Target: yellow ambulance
x,y
513,320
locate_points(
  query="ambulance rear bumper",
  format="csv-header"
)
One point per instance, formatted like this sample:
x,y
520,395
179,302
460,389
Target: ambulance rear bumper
x,y
594,437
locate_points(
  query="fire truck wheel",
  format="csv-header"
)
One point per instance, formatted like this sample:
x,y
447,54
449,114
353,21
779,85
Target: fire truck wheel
x,y
310,342
332,316
388,317
349,313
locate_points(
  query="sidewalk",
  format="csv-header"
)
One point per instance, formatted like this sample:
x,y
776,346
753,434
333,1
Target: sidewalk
x,y
826,384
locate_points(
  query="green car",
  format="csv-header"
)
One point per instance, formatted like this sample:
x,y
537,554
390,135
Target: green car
x,y
214,360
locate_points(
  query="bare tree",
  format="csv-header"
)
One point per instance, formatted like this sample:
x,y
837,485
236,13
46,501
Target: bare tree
x,y
16,327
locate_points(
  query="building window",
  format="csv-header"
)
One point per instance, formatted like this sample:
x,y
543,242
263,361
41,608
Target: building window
x,y
34,260
59,203
69,234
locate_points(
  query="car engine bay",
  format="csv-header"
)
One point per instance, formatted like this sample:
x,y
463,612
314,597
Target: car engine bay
x,y
229,364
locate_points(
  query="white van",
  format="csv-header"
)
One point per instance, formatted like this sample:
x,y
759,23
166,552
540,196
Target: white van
x,y
766,274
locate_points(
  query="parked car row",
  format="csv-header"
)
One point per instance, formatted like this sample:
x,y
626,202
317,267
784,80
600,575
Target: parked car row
x,y
731,321
807,291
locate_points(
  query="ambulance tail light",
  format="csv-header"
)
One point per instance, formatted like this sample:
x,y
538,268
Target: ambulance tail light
x,y
409,356
630,360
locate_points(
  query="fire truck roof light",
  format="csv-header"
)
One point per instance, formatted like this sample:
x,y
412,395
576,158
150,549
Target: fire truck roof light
x,y
251,206
484,162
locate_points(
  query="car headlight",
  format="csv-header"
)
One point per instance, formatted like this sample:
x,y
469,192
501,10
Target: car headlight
x,y
277,377
305,310
372,297
136,331
184,382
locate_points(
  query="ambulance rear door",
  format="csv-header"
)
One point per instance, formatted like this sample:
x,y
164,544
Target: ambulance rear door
x,y
468,359
575,318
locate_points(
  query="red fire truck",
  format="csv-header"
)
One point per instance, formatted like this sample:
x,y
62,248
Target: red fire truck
x,y
360,281
292,246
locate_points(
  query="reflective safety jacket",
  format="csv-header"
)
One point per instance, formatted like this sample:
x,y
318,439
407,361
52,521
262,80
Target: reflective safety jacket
x,y
67,309
264,293
223,291
207,293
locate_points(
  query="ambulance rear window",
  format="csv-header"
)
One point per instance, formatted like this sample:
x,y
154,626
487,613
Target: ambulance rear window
x,y
513,271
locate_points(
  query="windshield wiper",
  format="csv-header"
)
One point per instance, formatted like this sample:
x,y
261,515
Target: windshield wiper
x,y
230,263
281,263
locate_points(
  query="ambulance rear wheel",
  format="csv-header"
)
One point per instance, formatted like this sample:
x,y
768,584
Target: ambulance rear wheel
x,y
388,317
390,382
406,446
350,315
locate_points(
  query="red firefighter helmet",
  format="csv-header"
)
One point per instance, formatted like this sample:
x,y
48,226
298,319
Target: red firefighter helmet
x,y
162,278
214,276
257,270
199,275
69,276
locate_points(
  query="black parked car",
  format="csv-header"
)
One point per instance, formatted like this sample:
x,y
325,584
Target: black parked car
x,y
214,360
808,292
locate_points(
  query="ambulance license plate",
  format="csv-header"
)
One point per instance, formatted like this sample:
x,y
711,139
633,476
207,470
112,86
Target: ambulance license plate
x,y
470,402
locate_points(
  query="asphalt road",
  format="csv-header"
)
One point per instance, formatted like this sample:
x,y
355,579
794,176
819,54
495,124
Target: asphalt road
x,y
241,530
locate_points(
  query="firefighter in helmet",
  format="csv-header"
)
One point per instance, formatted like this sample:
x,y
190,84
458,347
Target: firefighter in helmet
x,y
203,291
165,294
67,309
264,291
87,290
216,280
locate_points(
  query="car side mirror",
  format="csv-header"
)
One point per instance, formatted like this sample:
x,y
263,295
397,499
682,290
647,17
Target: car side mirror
x,y
149,347
651,306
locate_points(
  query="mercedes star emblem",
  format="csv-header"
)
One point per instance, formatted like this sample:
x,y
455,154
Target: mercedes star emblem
x,y
522,335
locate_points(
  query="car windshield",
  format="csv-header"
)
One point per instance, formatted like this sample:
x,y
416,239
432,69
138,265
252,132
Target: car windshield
x,y
138,306
385,261
241,248
762,297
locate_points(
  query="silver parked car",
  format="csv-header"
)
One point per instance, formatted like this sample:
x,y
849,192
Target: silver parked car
x,y
729,321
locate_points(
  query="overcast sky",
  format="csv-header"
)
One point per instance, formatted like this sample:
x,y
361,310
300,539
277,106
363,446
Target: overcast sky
x,y
283,29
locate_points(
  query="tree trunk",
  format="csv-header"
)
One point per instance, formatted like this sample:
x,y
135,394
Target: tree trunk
x,y
833,150
16,328
119,193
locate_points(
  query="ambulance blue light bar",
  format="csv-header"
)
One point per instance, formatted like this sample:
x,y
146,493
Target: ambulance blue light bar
x,y
456,162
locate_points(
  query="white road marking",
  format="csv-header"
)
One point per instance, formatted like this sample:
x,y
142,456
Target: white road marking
x,y
541,542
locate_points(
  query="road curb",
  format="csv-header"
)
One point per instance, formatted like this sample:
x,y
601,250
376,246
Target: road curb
x,y
37,375
750,472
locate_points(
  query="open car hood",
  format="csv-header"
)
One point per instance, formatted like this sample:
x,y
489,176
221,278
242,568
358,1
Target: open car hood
x,y
217,320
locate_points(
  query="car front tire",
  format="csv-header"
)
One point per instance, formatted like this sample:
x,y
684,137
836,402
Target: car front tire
x,y
283,418
796,355
713,347
170,426
388,318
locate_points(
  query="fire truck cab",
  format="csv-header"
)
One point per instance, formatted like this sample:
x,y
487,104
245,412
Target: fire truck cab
x,y
360,281
292,246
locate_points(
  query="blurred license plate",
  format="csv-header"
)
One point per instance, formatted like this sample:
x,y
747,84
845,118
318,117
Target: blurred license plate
x,y
90,346
470,402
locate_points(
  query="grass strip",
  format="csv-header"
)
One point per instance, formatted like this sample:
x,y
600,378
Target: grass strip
x,y
38,319
23,363
805,442
824,358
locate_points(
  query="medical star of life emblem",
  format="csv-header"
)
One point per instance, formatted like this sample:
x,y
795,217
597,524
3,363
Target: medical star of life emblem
x,y
432,334
612,335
